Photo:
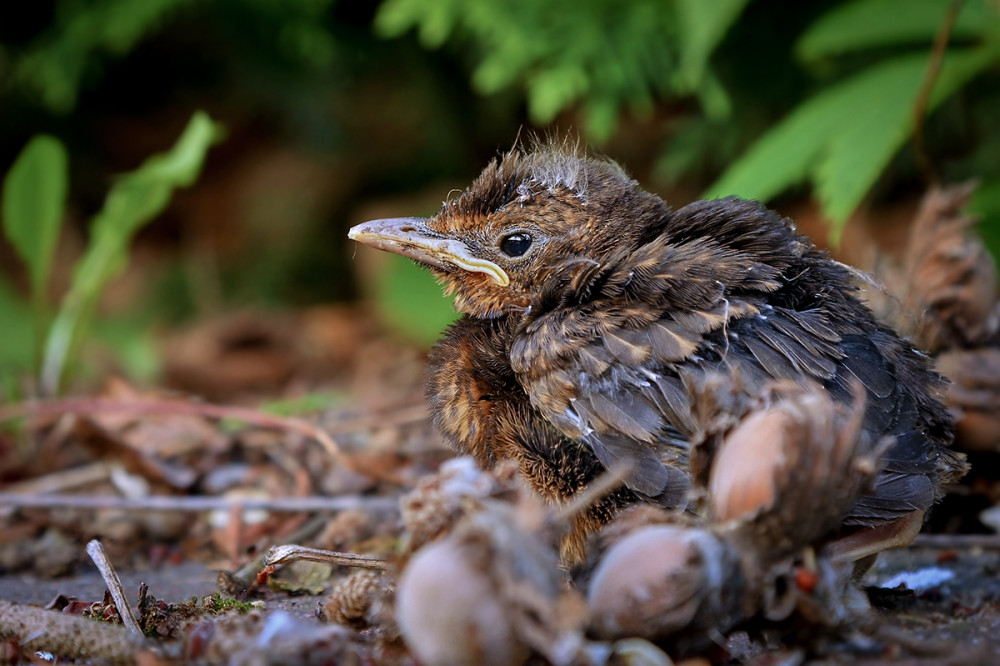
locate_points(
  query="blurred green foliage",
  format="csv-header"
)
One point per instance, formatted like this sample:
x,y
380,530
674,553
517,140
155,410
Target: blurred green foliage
x,y
18,347
607,57
84,35
757,98
33,198
311,403
842,138
409,299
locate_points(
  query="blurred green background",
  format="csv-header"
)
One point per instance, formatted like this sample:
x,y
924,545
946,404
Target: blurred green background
x,y
200,157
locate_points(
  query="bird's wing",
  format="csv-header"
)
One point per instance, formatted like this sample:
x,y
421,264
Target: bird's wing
x,y
612,351
610,369
877,361
627,394
624,412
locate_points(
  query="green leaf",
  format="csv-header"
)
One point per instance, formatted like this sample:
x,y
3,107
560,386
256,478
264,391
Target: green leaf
x,y
844,137
34,199
17,346
714,98
864,24
435,20
133,201
552,90
864,147
702,26
130,341
783,156
598,55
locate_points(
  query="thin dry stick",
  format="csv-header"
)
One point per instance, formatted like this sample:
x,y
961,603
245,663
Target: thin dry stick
x,y
56,481
110,576
923,97
958,541
199,503
291,552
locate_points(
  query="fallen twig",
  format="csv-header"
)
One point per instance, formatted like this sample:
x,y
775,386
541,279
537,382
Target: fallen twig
x,y
923,97
110,576
958,541
57,481
63,479
291,552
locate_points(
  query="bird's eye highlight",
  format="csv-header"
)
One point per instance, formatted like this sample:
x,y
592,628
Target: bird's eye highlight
x,y
515,245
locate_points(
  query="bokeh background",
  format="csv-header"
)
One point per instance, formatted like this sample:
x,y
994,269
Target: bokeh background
x,y
239,277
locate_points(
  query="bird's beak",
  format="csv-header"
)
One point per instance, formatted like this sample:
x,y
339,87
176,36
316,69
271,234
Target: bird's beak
x,y
411,237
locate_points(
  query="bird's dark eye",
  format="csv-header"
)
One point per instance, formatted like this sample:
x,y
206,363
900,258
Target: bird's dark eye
x,y
515,245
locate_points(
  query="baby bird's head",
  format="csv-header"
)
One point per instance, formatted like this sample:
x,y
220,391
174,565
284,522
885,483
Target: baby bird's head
x,y
525,217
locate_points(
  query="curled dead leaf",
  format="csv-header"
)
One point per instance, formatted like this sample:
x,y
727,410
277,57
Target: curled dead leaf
x,y
950,278
973,395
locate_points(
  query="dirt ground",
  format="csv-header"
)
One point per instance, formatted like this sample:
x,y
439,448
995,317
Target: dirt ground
x,y
951,614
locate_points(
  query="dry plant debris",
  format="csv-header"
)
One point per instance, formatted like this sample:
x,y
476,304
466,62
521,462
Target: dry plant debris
x,y
468,571
946,286
949,278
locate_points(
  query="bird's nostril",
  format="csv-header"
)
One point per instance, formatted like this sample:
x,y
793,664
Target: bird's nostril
x,y
408,228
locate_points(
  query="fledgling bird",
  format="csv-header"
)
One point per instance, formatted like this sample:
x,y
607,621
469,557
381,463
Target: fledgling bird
x,y
592,311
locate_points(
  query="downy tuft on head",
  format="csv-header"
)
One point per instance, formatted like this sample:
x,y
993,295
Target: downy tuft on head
x,y
570,206
544,167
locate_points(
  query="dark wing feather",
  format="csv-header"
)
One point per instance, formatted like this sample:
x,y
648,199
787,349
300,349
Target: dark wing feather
x,y
604,363
867,364
894,495
774,363
623,412
647,475
910,466
673,401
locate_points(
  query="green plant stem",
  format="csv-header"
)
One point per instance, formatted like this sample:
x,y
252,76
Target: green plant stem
x,y
73,316
920,105
39,313
133,201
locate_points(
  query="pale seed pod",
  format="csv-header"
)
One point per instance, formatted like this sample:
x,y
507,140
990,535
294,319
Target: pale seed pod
x,y
661,579
436,503
789,472
450,612
353,601
743,475
480,594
